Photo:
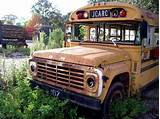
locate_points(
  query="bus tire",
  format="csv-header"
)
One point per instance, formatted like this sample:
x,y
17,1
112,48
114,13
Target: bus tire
x,y
116,92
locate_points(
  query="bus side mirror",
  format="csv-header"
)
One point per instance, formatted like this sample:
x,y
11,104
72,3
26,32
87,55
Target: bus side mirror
x,y
143,29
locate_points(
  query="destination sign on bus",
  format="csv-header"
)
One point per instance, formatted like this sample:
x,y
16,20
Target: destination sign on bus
x,y
114,12
99,13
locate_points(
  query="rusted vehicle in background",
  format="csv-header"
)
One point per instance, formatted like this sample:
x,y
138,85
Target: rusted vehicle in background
x,y
111,52
13,35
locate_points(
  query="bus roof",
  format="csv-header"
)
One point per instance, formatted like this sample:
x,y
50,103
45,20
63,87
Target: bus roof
x,y
133,13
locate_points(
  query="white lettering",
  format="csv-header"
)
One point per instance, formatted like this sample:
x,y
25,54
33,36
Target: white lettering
x,y
106,13
103,13
96,13
99,13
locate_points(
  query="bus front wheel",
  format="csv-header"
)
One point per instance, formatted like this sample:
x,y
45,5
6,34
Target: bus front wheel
x,y
116,92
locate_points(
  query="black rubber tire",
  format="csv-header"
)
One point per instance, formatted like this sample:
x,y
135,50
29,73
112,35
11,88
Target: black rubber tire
x,y
117,86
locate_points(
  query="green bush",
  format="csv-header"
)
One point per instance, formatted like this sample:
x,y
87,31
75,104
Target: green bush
x,y
129,108
20,101
38,44
25,51
55,40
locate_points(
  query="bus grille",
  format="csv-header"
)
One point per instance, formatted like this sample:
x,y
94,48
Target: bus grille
x,y
59,75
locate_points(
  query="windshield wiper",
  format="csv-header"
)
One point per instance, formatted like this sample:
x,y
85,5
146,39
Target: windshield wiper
x,y
113,41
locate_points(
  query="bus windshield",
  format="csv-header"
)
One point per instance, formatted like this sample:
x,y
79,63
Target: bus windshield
x,y
119,32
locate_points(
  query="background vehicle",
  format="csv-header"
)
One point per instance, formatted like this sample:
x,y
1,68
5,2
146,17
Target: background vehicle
x,y
115,55
13,35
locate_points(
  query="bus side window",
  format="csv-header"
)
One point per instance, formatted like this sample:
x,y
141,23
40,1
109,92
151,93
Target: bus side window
x,y
144,34
151,50
154,53
152,38
156,35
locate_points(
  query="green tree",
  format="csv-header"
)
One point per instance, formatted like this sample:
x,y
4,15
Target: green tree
x,y
152,5
49,14
66,17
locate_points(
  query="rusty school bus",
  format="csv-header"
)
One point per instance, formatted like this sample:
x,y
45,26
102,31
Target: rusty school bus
x,y
111,52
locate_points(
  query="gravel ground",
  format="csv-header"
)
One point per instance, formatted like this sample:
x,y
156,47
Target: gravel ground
x,y
151,99
14,61
10,62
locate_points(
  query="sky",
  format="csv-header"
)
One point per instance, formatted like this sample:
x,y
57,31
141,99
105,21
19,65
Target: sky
x,y
22,8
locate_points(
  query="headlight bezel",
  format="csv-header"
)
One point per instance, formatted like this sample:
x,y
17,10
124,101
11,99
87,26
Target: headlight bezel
x,y
95,77
98,88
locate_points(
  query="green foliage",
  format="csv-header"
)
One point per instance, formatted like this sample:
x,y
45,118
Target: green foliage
x,y
82,31
25,51
152,5
20,101
127,109
49,14
38,44
55,40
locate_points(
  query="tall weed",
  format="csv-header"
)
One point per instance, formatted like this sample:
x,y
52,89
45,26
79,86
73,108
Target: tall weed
x,y
54,40
20,101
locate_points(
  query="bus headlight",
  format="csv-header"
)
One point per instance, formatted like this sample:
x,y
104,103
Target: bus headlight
x,y
33,67
91,82
94,82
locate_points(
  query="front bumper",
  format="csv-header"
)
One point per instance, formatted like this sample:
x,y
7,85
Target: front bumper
x,y
82,100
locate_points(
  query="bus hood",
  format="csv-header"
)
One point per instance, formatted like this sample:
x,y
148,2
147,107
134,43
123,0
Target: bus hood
x,y
84,55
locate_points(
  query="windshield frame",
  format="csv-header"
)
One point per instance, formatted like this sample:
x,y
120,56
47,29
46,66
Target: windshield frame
x,y
132,25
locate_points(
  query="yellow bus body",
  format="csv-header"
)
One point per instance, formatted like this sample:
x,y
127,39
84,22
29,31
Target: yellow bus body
x,y
134,63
